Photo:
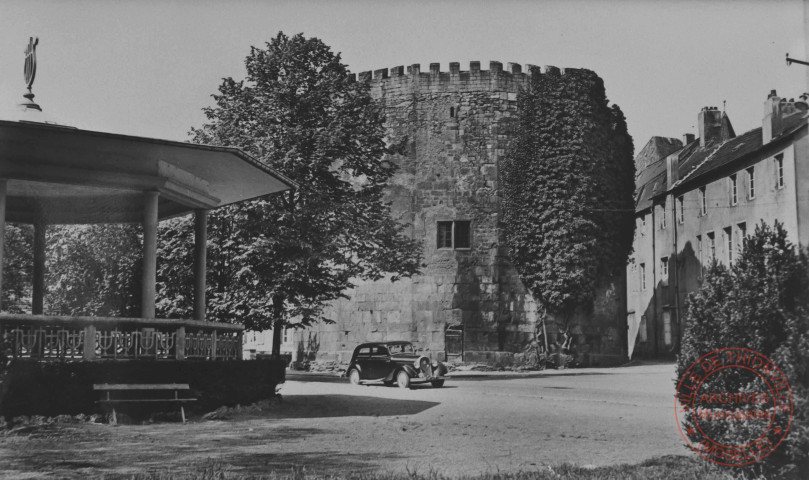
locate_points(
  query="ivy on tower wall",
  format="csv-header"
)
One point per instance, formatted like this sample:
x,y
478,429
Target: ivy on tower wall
x,y
567,187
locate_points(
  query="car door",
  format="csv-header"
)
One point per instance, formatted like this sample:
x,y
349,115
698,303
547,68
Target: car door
x,y
364,362
380,362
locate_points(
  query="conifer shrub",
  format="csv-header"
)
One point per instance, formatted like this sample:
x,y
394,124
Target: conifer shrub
x,y
761,303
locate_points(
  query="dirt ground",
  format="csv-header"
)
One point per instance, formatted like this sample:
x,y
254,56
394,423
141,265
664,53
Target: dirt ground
x,y
473,425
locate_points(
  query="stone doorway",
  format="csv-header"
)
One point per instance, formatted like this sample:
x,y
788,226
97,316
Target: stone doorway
x,y
453,342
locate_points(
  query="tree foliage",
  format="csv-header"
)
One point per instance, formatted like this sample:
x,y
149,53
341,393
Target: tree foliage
x,y
17,268
283,257
568,181
94,270
760,303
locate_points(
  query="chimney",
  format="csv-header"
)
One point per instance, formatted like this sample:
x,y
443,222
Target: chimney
x,y
769,124
779,113
688,138
710,125
673,168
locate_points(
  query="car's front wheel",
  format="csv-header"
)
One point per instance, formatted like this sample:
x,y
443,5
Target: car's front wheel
x,y
403,379
438,383
354,376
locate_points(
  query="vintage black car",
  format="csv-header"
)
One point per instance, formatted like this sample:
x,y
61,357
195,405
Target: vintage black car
x,y
394,362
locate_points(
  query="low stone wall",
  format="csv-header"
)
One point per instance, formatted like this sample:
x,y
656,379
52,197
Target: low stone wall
x,y
51,389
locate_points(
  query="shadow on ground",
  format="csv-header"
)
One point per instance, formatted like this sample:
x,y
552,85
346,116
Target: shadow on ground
x,y
266,464
324,406
460,377
452,377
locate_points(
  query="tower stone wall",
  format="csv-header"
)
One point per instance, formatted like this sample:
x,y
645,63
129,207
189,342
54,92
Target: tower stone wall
x,y
451,130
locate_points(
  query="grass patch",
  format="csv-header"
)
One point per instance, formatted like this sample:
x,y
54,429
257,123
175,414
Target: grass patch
x,y
670,467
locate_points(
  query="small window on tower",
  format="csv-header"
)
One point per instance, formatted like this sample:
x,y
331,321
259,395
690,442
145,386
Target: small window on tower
x,y
462,235
444,235
452,112
455,235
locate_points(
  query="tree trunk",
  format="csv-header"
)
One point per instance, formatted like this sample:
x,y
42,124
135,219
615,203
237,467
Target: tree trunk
x,y
277,326
277,335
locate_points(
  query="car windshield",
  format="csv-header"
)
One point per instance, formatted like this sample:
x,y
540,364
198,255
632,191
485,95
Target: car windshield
x,y
396,349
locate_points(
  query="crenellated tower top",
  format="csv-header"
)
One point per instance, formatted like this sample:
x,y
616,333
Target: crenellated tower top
x,y
512,72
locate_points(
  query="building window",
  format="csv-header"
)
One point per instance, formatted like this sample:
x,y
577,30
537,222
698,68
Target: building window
x,y
699,256
664,269
740,236
455,235
703,202
729,243
751,183
734,190
287,335
667,327
452,112
681,205
642,224
643,276
712,246
779,171
642,333
663,215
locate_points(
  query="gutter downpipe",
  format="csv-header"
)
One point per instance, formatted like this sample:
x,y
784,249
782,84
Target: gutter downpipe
x,y
654,281
676,273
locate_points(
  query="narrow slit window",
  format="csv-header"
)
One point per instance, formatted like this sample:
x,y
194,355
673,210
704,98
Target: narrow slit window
x,y
681,206
779,171
643,276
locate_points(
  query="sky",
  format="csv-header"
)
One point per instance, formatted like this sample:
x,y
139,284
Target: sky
x,y
148,67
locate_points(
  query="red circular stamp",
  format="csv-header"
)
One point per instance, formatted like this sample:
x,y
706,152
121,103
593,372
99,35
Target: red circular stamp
x,y
733,406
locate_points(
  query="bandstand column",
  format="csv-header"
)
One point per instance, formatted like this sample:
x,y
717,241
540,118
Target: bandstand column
x,y
200,256
149,254
3,185
38,291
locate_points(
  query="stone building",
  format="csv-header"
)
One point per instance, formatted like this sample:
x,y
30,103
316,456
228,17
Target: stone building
x,y
452,130
695,201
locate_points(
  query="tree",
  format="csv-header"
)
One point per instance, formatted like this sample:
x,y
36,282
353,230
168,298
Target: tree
x,y
281,258
17,268
94,270
760,303
568,182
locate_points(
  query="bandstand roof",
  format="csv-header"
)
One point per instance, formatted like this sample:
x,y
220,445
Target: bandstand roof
x,y
62,174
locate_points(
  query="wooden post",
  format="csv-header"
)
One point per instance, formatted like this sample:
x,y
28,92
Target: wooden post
x,y
179,344
3,187
149,254
240,346
200,256
38,291
90,342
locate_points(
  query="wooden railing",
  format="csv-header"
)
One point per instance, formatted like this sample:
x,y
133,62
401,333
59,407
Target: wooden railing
x,y
60,338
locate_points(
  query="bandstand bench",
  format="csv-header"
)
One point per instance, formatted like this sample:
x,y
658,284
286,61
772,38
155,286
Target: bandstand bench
x,y
143,387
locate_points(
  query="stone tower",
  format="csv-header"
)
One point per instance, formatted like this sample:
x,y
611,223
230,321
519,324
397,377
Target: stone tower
x,y
451,130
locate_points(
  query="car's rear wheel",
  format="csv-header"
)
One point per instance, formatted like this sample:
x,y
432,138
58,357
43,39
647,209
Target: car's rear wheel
x,y
438,383
354,376
403,379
